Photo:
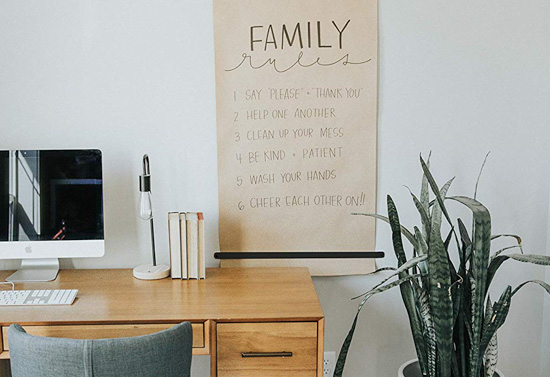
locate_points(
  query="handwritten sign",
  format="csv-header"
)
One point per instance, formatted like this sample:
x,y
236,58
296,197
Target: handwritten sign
x,y
296,90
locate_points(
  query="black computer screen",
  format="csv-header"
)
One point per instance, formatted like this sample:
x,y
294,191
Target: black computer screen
x,y
51,195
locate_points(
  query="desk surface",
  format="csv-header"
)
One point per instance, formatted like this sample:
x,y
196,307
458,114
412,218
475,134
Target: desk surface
x,y
106,296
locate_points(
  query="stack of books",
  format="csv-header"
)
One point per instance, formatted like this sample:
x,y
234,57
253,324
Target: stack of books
x,y
187,251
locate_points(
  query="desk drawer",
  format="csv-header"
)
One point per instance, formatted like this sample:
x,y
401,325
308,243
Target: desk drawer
x,y
267,349
104,331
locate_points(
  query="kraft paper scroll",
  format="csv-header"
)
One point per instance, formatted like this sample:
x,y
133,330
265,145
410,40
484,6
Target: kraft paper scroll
x,y
296,91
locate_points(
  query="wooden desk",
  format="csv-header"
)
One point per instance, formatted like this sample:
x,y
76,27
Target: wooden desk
x,y
235,310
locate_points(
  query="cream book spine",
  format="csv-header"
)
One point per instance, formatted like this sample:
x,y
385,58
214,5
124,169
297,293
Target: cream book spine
x,y
202,247
192,245
175,244
183,244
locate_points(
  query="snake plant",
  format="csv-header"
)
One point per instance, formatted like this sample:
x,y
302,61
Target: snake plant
x,y
453,321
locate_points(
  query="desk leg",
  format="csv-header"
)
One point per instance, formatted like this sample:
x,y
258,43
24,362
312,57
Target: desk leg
x,y
213,350
320,346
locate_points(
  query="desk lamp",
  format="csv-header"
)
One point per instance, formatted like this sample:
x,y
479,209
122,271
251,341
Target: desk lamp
x,y
148,271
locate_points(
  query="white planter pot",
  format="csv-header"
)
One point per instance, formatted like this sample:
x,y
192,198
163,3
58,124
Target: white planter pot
x,y
412,369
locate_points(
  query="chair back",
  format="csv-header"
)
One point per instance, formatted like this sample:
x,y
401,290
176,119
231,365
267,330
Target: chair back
x,y
167,353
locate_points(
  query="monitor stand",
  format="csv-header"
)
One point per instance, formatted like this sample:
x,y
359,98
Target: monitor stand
x,y
36,270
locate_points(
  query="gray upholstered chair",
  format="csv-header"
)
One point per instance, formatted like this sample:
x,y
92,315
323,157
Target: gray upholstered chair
x,y
166,353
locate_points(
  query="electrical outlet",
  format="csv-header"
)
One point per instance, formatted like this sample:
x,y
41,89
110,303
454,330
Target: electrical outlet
x,y
329,362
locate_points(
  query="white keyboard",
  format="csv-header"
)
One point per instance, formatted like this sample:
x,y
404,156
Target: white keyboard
x,y
38,297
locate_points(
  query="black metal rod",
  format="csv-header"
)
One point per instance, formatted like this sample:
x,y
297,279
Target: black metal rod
x,y
153,243
146,169
300,255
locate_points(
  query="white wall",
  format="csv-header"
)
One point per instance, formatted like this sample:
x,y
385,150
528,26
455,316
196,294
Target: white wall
x,y
458,78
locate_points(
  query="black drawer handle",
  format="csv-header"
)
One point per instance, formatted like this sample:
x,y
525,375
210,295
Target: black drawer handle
x,y
266,354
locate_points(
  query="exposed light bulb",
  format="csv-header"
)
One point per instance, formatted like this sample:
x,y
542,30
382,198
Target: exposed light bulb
x,y
145,205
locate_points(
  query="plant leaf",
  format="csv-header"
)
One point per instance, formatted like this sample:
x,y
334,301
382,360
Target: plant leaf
x,y
340,364
500,312
403,268
466,248
479,175
516,237
481,251
424,215
505,249
388,286
518,245
423,250
428,332
407,290
464,233
439,290
460,339
381,269
490,358
425,198
542,260
543,284
407,233
395,224
435,190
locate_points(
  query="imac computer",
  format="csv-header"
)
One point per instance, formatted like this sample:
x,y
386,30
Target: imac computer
x,y
51,206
